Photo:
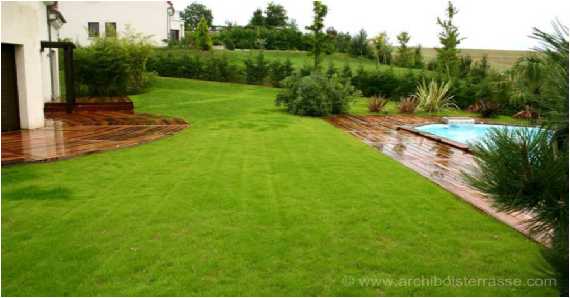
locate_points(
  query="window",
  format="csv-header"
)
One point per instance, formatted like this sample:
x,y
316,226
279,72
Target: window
x,y
111,29
93,29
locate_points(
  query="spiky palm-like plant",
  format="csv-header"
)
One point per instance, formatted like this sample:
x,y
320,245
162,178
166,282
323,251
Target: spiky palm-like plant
x,y
528,171
433,97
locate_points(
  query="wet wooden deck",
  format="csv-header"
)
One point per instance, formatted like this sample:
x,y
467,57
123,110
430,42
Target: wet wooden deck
x,y
69,135
441,163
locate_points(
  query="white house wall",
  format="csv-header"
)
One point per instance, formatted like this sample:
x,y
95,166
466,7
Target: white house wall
x,y
147,17
25,25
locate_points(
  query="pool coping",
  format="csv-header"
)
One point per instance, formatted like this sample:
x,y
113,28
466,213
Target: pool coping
x,y
443,140
412,129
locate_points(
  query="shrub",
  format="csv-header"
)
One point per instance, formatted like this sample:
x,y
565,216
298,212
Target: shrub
x,y
524,171
433,97
218,68
286,38
407,84
305,70
331,70
102,69
346,73
486,108
376,83
376,104
202,37
204,66
139,50
256,70
279,71
408,105
315,95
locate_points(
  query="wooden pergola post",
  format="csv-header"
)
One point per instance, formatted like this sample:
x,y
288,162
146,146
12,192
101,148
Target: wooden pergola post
x,y
68,69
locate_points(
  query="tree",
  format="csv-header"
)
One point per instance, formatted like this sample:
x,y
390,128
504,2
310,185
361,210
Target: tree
x,y
447,56
418,57
193,13
382,49
359,44
527,79
275,15
539,160
404,58
202,37
342,42
346,73
331,70
257,20
318,38
256,70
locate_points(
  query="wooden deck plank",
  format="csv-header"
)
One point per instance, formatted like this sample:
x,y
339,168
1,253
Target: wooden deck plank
x,y
69,135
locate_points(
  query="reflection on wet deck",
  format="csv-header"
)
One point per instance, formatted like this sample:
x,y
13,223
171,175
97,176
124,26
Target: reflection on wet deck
x,y
68,135
439,162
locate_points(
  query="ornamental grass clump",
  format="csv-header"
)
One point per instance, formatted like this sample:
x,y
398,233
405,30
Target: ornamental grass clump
x,y
433,97
408,105
376,104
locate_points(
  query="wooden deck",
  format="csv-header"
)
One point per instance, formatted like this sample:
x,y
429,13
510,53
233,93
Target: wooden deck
x,y
440,162
69,135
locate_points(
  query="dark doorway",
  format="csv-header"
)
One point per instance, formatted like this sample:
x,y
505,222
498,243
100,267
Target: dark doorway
x,y
10,104
174,34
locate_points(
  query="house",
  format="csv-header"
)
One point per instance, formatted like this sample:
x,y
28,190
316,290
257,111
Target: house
x,y
29,72
87,20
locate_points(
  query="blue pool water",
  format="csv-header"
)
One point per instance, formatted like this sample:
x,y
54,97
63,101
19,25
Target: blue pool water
x,y
466,133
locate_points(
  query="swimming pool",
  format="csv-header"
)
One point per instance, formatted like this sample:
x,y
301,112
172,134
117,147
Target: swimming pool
x,y
466,133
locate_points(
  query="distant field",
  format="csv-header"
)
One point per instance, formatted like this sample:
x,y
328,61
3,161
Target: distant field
x,y
499,59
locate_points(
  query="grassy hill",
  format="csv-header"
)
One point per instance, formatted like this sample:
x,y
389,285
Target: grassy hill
x,y
499,59
298,58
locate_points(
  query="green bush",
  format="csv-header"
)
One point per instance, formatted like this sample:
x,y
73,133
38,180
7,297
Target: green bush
x,y
285,38
219,68
102,69
378,83
138,51
315,95
203,66
202,38
305,70
278,71
346,73
256,70
331,70
113,66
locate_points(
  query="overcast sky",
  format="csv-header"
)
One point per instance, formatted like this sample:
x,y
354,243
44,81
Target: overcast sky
x,y
487,24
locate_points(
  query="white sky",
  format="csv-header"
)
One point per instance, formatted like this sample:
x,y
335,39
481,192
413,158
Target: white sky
x,y
487,24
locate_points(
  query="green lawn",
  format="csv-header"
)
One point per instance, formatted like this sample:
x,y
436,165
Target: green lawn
x,y
248,201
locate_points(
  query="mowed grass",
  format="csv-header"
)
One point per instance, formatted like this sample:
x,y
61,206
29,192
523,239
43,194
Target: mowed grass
x,y
248,201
